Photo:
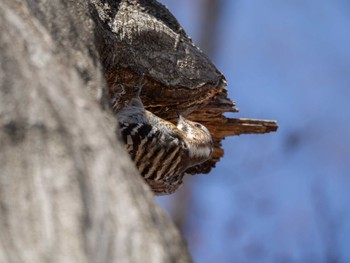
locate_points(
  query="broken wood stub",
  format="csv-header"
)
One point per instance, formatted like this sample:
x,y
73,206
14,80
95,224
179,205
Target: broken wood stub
x,y
139,37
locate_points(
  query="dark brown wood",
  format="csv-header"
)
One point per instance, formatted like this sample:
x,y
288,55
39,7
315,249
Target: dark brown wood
x,y
139,37
68,190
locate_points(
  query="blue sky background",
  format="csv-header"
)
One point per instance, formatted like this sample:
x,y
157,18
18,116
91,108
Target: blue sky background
x,y
285,196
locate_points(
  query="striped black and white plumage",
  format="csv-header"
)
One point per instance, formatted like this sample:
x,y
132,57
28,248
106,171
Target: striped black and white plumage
x,y
160,150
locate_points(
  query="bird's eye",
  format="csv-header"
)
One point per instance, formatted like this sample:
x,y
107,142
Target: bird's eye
x,y
197,125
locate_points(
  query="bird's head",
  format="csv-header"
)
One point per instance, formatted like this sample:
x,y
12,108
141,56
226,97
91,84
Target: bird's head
x,y
197,137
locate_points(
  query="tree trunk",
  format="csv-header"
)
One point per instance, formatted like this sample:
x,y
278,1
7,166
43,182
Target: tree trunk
x,y
68,190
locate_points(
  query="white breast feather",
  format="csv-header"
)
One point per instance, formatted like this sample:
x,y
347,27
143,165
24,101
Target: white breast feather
x,y
199,151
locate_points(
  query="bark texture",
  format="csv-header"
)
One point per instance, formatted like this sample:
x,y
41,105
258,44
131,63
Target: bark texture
x,y
68,190
141,37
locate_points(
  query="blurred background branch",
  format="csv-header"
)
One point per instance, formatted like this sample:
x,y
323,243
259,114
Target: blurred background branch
x,y
282,197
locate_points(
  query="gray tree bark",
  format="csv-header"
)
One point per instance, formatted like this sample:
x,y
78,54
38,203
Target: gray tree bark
x,y
68,191
141,37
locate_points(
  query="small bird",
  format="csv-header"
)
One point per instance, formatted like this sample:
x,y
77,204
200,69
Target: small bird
x,y
161,150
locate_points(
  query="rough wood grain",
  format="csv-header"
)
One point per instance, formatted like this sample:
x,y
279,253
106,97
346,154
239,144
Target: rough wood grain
x,y
142,37
68,190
